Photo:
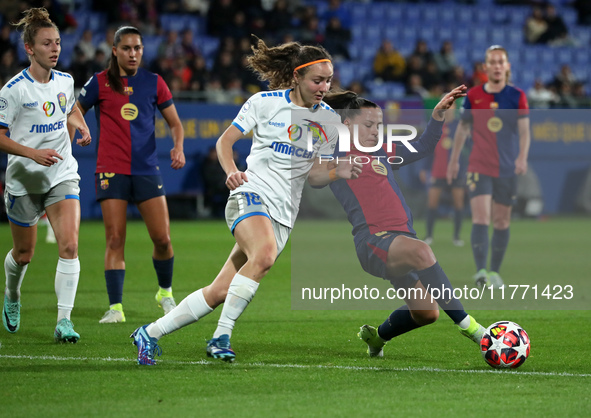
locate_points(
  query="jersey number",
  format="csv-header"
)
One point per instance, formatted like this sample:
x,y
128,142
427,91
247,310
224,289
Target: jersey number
x,y
252,199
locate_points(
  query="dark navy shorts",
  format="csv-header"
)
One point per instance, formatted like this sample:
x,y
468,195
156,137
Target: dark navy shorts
x,y
502,189
127,187
372,252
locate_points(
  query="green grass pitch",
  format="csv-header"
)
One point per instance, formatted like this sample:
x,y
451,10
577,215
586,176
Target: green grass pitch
x,y
292,363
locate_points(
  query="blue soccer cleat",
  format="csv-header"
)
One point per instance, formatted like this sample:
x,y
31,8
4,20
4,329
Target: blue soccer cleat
x,y
11,315
220,348
146,346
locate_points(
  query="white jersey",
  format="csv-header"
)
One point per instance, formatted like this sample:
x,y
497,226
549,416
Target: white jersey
x,y
279,160
36,114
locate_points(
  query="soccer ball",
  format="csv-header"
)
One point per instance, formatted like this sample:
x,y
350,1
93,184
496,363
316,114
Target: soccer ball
x,y
505,345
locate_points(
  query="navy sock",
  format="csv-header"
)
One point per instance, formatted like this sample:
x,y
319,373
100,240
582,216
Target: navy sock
x,y
442,291
458,215
164,272
115,279
399,322
498,243
479,240
431,214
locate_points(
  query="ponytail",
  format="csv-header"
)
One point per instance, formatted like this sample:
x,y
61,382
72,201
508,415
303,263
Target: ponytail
x,y
348,104
277,64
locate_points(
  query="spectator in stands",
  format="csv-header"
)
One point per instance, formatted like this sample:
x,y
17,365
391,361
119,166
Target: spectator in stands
x,y
432,77
6,42
357,87
567,99
565,76
86,46
107,44
199,73
190,51
238,28
389,64
98,62
225,68
479,74
170,48
182,71
557,32
311,34
279,19
422,52
219,16
540,97
535,26
459,77
336,9
414,87
250,82
80,69
446,61
337,39
8,66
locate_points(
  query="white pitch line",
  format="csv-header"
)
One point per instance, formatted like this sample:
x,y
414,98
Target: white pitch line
x,y
307,366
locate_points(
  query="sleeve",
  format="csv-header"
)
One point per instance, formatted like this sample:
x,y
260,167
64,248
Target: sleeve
x,y
71,98
8,107
328,147
89,93
247,118
164,99
425,145
523,106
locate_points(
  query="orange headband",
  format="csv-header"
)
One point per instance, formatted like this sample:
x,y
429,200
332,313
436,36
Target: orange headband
x,y
310,63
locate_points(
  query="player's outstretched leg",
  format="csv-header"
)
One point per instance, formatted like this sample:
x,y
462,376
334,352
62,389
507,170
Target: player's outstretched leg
x,y
220,348
474,331
375,343
147,346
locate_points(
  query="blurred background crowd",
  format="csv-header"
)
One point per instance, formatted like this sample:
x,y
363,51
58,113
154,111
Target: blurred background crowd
x,y
383,49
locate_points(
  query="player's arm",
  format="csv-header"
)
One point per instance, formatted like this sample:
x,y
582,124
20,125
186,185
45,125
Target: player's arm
x,y
524,142
324,172
45,157
453,166
177,153
76,122
223,147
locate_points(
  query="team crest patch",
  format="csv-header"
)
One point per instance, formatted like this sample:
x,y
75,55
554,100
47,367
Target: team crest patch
x,y
104,184
128,90
61,99
3,103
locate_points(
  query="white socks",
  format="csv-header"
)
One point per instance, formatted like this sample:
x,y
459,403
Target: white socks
x,y
66,283
190,310
14,277
464,323
240,293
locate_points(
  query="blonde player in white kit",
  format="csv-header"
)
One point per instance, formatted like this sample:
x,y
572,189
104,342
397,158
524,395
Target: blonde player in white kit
x,y
38,107
264,200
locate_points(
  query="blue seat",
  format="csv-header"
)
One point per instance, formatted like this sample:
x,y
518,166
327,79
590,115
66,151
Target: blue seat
x,y
208,45
412,15
346,73
151,44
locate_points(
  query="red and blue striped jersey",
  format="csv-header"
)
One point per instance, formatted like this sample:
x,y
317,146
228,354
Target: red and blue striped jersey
x,y
495,133
373,202
126,122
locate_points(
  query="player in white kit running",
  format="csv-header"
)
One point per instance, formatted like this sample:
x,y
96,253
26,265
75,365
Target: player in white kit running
x,y
264,200
37,107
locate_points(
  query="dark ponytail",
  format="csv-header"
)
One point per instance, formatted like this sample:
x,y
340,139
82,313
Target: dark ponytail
x,y
276,64
348,104
113,76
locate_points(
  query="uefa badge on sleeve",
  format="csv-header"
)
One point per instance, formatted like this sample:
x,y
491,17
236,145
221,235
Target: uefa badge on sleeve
x,y
61,99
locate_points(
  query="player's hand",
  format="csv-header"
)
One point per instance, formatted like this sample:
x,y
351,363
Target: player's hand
x,y
235,179
46,157
448,100
520,166
86,139
453,168
178,158
348,169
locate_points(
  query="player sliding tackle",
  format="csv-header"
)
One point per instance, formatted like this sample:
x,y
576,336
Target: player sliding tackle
x,y
386,243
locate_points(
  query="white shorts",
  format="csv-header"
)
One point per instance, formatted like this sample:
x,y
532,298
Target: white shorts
x,y
26,210
243,205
